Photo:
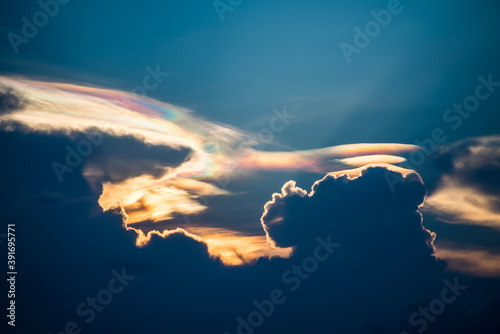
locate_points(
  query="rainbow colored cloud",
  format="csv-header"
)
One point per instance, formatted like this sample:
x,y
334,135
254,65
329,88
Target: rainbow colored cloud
x,y
216,154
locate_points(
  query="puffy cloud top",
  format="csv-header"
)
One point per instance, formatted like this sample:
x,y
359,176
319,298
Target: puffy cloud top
x,y
358,211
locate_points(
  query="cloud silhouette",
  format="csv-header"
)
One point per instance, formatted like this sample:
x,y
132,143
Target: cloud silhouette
x,y
356,210
384,265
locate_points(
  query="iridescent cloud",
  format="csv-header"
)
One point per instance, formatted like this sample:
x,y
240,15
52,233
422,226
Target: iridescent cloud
x,y
216,152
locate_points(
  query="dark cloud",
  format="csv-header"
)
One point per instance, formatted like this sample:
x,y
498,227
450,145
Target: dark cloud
x,y
355,211
383,266
10,100
31,180
117,159
380,231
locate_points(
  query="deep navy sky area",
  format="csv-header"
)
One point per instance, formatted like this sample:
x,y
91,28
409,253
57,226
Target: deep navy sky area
x,y
237,68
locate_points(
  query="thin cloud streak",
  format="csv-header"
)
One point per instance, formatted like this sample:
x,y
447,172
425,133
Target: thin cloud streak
x,y
468,193
475,262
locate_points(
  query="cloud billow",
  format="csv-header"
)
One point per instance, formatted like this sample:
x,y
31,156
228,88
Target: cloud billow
x,y
355,211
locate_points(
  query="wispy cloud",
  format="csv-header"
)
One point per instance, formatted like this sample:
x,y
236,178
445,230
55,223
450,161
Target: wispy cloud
x,y
469,192
175,187
474,262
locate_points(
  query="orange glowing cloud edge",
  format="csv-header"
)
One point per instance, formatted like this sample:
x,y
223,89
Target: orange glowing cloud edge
x,y
351,174
475,262
457,203
217,153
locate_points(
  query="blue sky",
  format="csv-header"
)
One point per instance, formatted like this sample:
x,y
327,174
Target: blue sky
x,y
238,69
266,55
